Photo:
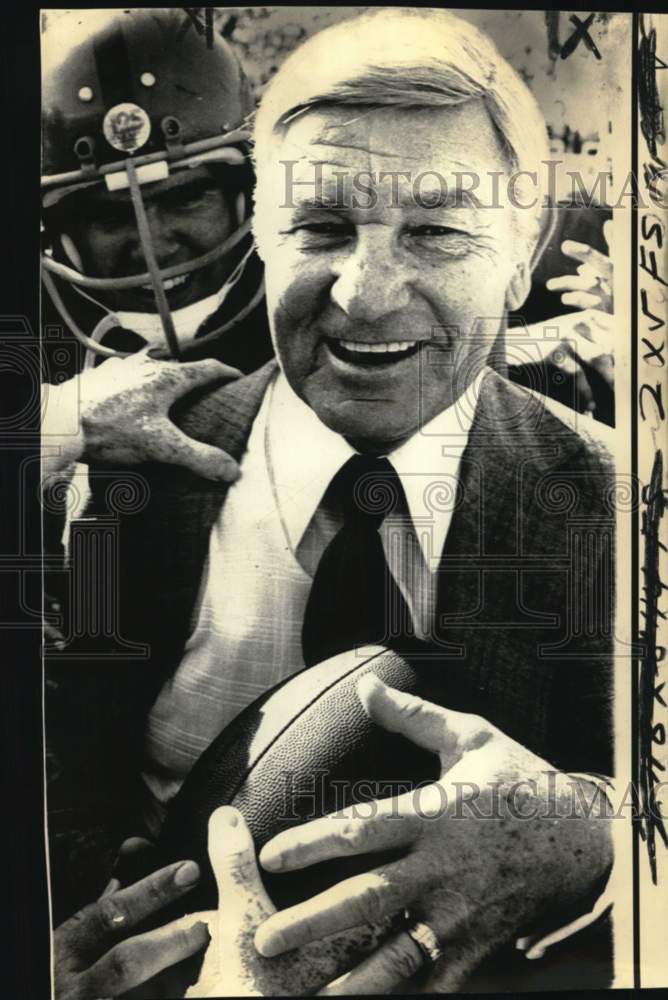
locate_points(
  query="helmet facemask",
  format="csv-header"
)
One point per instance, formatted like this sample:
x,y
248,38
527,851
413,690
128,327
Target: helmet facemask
x,y
237,247
109,127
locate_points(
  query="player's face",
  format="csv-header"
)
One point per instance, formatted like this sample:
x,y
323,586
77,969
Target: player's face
x,y
380,281
188,215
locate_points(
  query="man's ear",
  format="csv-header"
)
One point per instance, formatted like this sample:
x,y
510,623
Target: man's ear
x,y
518,287
255,227
257,242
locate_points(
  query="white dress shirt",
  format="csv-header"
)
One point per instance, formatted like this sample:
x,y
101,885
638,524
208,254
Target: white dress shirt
x,y
263,552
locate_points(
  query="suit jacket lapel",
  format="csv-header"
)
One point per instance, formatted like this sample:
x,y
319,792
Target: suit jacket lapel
x,y
223,417
512,443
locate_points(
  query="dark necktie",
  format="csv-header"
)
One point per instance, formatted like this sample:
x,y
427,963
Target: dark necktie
x,y
354,599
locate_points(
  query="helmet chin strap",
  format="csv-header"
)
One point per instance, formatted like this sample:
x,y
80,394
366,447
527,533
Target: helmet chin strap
x,y
186,320
189,318
165,324
149,325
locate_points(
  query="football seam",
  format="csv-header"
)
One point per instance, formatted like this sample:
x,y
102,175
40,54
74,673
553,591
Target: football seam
x,y
304,708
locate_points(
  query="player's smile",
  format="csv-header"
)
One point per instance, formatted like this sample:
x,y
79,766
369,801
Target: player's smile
x,y
188,215
181,290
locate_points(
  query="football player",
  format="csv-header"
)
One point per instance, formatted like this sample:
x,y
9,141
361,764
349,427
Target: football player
x,y
146,204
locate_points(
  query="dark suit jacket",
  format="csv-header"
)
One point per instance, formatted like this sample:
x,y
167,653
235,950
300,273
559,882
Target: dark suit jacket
x,y
525,604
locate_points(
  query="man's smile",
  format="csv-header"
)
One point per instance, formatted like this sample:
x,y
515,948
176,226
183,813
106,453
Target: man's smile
x,y
181,291
352,354
386,298
169,283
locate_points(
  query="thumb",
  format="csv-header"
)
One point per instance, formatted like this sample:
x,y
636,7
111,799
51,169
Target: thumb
x,y
188,375
205,460
242,905
241,893
443,731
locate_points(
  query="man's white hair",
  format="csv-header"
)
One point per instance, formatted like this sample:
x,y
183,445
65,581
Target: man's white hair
x,y
410,57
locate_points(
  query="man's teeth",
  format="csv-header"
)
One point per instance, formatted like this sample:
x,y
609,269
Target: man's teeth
x,y
169,283
396,345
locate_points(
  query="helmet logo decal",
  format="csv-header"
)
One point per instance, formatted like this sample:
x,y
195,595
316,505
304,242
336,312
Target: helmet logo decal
x,y
126,127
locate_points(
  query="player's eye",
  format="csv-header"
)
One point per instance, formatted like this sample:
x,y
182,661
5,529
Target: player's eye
x,y
111,216
188,197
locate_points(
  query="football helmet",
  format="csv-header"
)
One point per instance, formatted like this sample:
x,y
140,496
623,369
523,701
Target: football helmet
x,y
129,97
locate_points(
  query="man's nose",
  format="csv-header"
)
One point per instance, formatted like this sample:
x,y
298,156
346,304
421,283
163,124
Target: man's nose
x,y
372,281
164,235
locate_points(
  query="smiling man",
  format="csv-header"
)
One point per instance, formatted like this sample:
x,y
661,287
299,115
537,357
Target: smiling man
x,y
392,488
188,214
371,297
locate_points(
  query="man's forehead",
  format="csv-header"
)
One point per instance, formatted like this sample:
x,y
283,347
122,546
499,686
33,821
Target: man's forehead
x,y
460,137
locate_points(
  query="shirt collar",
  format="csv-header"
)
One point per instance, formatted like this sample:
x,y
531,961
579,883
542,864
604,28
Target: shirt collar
x,y
305,455
148,325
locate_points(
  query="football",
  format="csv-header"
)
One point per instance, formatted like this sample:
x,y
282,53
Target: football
x,y
305,749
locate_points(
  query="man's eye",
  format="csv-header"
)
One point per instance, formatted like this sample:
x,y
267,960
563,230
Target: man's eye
x,y
186,198
325,228
112,216
322,235
435,231
442,240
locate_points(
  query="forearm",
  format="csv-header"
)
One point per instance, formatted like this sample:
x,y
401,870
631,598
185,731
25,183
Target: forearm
x,y
62,436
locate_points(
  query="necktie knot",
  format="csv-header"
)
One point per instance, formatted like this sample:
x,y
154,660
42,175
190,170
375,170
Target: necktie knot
x,y
368,489
354,598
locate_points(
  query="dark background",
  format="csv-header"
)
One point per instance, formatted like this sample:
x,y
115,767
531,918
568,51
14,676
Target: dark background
x,y
24,936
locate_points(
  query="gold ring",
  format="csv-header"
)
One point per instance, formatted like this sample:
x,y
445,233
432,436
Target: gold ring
x,y
426,940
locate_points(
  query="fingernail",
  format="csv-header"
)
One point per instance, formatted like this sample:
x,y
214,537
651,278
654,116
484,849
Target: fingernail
x,y
270,943
227,816
229,834
186,874
272,862
228,474
368,682
197,936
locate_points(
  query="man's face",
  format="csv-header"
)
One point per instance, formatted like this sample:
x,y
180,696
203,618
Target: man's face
x,y
373,305
187,215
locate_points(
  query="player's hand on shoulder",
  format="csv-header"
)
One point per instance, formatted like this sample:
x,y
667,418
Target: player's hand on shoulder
x,y
121,414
